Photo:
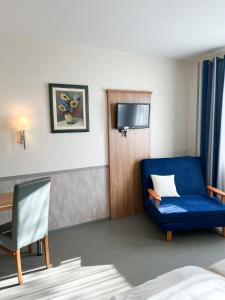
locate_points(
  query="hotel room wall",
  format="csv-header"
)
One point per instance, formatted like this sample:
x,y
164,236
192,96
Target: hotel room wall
x,y
77,196
28,66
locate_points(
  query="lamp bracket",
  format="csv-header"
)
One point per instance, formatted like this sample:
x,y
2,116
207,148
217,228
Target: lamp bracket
x,y
22,138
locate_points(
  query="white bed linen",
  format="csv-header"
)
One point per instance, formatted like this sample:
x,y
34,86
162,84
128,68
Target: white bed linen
x,y
187,283
218,267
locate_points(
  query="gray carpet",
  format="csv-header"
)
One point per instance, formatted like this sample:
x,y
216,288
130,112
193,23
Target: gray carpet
x,y
67,281
133,246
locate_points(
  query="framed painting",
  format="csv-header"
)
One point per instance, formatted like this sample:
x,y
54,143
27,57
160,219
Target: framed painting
x,y
69,110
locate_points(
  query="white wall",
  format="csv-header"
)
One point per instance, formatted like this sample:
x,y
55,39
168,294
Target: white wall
x,y
192,70
26,68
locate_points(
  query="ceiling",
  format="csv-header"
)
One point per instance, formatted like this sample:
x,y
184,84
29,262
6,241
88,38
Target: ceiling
x,y
170,28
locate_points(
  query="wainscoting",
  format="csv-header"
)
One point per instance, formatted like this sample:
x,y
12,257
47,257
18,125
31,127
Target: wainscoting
x,y
77,196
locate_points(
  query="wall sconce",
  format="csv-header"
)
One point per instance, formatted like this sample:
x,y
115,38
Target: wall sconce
x,y
22,126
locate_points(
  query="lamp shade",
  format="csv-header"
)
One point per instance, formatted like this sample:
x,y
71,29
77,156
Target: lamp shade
x,y
23,123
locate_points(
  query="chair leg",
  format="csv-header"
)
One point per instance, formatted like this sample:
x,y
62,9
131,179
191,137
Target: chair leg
x,y
30,249
169,236
40,247
223,231
46,250
18,267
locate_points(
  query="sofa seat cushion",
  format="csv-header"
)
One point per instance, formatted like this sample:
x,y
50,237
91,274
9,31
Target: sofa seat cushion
x,y
187,208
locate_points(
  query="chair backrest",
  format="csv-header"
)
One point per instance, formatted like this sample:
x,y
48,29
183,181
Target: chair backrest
x,y
188,173
30,211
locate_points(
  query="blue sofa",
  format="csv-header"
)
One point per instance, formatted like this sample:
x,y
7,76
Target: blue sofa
x,y
194,209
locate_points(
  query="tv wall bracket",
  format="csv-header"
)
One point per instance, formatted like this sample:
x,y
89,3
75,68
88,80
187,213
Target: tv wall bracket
x,y
124,131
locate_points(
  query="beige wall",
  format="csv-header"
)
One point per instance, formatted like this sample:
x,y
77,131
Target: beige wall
x,y
28,66
192,69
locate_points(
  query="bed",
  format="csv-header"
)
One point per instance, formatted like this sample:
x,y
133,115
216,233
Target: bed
x,y
186,283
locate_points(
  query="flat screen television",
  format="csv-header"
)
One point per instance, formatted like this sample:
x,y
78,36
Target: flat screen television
x,y
133,115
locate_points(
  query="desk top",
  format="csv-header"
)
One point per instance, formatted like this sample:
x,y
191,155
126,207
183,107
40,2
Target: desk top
x,y
6,200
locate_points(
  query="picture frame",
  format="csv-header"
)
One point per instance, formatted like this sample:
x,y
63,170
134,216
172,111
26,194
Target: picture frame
x,y
69,108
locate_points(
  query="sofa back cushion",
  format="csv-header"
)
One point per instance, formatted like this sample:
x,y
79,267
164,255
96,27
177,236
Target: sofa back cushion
x,y
189,178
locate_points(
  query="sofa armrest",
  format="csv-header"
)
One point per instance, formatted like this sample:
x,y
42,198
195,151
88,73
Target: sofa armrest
x,y
212,190
155,196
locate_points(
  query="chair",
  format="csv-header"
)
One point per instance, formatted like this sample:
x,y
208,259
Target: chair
x,y
29,220
194,209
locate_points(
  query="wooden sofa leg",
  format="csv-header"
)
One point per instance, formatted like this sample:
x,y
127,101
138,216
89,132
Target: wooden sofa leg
x,y
18,267
223,231
169,236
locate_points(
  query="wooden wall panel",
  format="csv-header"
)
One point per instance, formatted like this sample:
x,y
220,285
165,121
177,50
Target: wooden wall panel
x,y
125,154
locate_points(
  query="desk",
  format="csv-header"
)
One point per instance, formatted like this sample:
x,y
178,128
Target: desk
x,y
6,203
6,200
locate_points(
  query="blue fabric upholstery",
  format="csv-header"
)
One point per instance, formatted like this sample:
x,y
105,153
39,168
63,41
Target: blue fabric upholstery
x,y
194,209
189,178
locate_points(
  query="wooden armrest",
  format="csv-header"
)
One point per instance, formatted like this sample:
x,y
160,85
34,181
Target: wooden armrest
x,y
212,190
215,190
153,194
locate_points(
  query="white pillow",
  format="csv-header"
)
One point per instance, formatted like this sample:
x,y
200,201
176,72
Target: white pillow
x,y
165,186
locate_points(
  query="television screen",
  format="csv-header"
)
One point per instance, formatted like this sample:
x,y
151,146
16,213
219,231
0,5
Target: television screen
x,y
133,115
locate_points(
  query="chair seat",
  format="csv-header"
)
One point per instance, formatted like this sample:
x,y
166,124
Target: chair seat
x,y
6,236
5,228
187,209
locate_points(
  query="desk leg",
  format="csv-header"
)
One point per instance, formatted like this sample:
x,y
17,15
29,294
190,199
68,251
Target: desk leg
x,y
39,248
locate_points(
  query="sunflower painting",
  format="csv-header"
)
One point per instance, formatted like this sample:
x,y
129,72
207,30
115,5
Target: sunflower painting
x,y
68,108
